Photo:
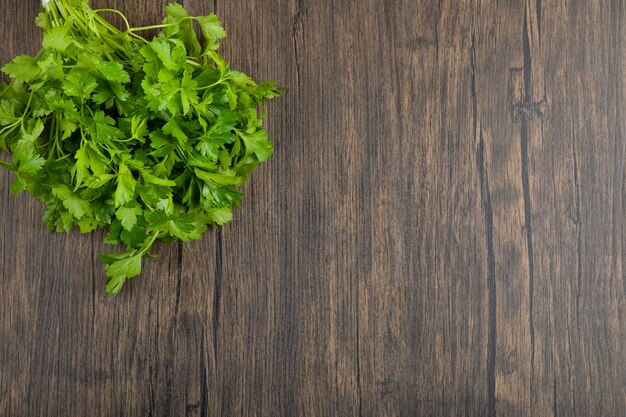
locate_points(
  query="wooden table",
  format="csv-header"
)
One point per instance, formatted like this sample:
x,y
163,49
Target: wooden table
x,y
441,231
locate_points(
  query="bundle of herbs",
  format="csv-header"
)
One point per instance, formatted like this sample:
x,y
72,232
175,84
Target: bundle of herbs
x,y
148,139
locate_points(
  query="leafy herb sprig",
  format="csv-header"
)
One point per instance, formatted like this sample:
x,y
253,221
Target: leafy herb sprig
x,y
149,139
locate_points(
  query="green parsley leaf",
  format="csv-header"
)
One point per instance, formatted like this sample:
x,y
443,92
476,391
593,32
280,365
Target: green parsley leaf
x,y
27,162
211,30
79,83
173,128
18,185
149,139
56,38
127,215
113,71
71,201
120,267
257,143
125,186
22,68
176,13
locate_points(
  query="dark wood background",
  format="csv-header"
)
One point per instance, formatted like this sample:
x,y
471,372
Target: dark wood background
x,y
441,231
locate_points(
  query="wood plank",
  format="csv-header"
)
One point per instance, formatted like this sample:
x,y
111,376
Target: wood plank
x,y
345,209
80,352
502,152
424,320
576,169
280,295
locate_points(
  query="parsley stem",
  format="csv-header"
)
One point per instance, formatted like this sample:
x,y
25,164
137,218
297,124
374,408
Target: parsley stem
x,y
149,244
56,19
211,85
10,127
116,33
30,98
161,26
116,12
8,87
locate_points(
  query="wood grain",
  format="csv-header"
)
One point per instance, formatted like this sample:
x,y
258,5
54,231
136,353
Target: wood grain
x,y
439,233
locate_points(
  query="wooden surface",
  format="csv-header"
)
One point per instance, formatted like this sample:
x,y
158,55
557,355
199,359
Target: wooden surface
x,y
441,231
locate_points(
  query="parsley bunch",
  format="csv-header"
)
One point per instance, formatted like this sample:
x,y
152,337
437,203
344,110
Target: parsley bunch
x,y
149,139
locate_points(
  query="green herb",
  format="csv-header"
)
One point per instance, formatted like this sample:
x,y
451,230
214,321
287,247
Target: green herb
x,y
149,139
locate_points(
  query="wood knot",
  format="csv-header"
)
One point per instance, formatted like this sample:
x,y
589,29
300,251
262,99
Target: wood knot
x,y
523,107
